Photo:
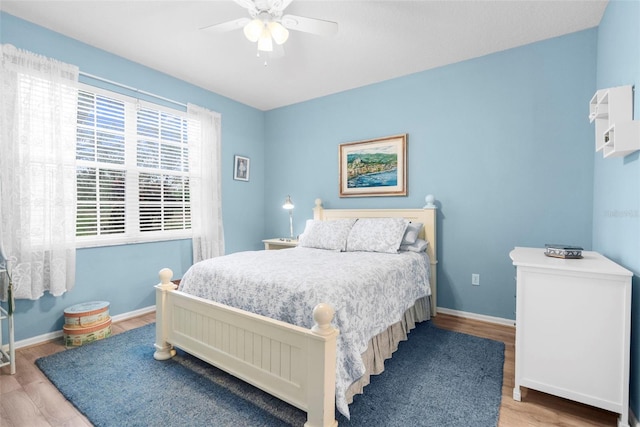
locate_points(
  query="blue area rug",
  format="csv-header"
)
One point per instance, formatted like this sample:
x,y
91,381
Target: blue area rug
x,y
437,378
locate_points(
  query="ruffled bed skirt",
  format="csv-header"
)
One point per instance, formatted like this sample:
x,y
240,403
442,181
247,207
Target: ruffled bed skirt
x,y
382,346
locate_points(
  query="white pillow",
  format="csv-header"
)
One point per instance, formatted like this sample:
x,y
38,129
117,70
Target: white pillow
x,y
326,234
377,235
418,246
410,236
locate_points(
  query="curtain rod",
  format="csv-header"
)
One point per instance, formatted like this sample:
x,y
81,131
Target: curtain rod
x,y
111,82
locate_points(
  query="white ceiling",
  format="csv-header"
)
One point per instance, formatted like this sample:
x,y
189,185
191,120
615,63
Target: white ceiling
x,y
376,40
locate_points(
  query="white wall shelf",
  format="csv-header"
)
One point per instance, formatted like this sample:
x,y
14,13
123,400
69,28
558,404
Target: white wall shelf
x,y
617,134
621,139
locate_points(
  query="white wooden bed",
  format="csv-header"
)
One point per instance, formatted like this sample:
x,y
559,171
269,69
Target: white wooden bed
x,y
295,364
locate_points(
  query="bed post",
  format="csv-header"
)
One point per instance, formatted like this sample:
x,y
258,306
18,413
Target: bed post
x,y
164,350
431,237
321,369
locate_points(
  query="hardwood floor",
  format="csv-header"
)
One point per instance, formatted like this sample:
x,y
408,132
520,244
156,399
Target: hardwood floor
x,y
28,399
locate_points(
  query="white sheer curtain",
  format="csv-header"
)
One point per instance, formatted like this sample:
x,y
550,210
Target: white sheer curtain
x,y
205,183
37,172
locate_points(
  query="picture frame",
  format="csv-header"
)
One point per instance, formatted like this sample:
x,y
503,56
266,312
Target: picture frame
x,y
241,168
375,167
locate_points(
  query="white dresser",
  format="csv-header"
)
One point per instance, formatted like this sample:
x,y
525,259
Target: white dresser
x,y
573,323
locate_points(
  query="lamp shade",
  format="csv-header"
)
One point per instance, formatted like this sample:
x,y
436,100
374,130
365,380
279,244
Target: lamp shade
x,y
279,33
288,204
265,44
253,30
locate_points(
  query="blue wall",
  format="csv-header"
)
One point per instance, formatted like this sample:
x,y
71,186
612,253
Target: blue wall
x,y
616,189
502,141
125,275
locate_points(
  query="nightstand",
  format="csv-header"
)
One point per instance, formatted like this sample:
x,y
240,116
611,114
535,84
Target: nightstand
x,y
271,244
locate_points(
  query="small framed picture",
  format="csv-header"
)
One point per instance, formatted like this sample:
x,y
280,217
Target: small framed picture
x,y
241,168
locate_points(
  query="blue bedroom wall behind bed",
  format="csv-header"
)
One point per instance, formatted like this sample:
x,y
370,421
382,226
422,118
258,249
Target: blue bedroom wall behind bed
x,y
616,204
502,141
125,275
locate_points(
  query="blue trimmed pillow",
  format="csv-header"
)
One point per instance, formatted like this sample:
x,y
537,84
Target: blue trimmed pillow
x,y
377,235
330,234
411,235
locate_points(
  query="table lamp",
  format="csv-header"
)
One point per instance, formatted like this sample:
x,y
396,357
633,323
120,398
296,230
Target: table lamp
x,y
288,205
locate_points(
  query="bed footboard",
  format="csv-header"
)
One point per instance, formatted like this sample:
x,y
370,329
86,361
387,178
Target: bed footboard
x,y
295,364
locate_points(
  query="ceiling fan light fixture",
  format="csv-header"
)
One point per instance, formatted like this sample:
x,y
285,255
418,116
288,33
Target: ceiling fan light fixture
x,y
254,29
279,33
265,44
267,24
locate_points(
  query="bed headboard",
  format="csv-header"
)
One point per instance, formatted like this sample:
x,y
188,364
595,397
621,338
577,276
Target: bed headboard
x,y
427,216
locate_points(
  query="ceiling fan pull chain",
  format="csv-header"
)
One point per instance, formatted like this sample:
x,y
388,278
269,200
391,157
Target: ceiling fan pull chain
x,y
258,56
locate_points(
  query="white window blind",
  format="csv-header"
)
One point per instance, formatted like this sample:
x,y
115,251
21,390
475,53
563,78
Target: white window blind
x,y
132,170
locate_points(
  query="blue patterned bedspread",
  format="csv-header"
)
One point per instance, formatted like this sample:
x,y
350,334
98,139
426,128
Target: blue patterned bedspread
x,y
369,292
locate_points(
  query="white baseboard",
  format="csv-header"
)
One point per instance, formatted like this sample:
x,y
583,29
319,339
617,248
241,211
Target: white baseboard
x,y
57,334
134,313
484,318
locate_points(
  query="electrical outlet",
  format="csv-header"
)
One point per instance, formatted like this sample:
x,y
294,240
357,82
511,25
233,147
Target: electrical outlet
x,y
475,279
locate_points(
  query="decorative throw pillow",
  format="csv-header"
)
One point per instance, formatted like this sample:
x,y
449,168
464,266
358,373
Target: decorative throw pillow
x,y
377,235
326,234
411,234
418,246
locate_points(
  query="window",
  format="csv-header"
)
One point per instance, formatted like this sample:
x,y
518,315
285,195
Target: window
x,y
132,161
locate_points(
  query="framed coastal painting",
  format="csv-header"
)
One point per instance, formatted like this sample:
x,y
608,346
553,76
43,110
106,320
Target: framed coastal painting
x,y
376,167
241,168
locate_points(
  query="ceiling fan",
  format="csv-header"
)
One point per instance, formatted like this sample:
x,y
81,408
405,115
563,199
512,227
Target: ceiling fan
x,y
267,24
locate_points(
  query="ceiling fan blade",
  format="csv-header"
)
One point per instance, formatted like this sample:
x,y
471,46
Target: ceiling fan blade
x,y
310,25
249,5
277,6
227,26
